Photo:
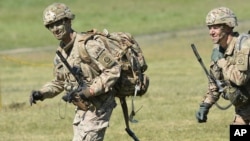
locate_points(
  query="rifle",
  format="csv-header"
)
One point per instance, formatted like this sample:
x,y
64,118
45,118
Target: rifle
x,y
77,74
210,76
220,85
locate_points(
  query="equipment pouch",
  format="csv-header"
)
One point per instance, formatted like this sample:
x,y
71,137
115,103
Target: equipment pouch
x,y
126,85
236,96
242,59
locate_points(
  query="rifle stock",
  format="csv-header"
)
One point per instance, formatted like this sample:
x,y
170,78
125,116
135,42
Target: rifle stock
x,y
210,76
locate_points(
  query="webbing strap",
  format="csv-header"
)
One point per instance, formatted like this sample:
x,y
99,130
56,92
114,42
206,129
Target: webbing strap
x,y
240,39
81,41
126,118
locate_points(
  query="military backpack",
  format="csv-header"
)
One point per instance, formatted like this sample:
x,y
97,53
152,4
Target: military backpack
x,y
125,49
132,81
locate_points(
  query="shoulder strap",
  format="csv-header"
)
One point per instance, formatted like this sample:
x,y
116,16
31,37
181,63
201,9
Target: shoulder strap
x,y
81,40
240,39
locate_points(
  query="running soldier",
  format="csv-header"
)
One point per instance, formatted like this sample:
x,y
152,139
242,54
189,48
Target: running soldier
x,y
92,116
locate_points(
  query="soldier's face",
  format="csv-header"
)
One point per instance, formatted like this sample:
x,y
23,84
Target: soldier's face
x,y
60,29
217,33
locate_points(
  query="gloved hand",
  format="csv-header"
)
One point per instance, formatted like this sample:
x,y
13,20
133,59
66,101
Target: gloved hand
x,y
85,92
35,95
221,63
201,115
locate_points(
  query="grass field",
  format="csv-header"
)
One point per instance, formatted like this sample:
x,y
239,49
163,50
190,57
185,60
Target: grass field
x,y
165,31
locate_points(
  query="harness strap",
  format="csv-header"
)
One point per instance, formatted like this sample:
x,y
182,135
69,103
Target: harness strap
x,y
126,118
82,39
240,39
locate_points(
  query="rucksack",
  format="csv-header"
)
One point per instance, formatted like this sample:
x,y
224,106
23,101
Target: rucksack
x,y
132,81
124,48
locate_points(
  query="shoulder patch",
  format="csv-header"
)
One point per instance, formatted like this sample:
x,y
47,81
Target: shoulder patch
x,y
106,59
97,51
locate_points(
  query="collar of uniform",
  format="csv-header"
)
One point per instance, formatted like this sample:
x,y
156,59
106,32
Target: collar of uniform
x,y
68,46
230,48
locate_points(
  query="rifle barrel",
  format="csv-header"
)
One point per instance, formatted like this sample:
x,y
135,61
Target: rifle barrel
x,y
199,59
209,76
196,52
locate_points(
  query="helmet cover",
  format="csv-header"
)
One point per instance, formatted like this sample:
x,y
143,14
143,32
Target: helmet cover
x,y
56,12
221,15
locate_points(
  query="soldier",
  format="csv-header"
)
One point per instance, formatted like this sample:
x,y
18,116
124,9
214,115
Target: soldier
x,y
229,64
91,117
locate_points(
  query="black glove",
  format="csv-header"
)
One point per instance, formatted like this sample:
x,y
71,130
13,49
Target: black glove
x,y
35,95
201,115
67,98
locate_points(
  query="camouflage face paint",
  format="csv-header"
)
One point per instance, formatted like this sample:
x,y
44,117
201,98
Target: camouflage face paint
x,y
58,29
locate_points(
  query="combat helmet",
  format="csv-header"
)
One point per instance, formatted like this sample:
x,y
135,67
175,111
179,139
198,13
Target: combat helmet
x,y
221,15
56,12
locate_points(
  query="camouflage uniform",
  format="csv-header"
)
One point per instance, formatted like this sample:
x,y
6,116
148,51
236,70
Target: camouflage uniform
x,y
230,66
235,77
91,121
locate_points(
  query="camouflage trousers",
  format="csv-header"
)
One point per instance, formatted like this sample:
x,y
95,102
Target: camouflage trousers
x,y
88,126
242,115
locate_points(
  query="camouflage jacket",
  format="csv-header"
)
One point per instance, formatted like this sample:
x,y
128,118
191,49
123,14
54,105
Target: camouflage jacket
x,y
235,73
101,82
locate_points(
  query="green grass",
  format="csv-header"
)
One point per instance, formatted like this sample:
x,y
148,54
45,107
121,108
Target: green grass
x,y
176,88
21,21
177,81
